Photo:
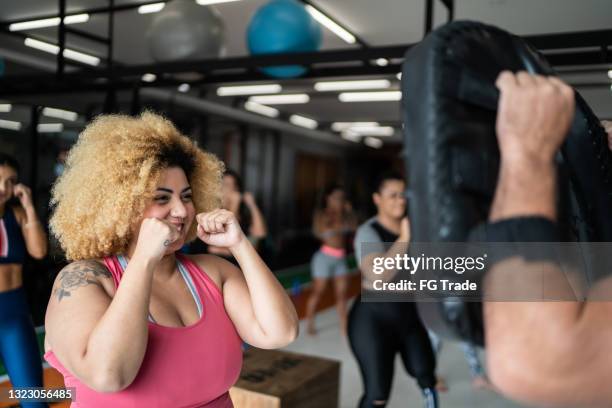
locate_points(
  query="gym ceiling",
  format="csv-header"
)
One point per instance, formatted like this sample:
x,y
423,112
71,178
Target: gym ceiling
x,y
577,37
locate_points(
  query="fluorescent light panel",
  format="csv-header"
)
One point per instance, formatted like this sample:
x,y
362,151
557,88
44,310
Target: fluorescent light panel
x,y
382,62
370,96
48,22
9,124
5,107
184,87
374,130
261,109
303,121
151,8
332,26
351,136
281,99
610,74
60,114
340,126
68,53
50,127
352,85
148,77
373,142
209,2
249,89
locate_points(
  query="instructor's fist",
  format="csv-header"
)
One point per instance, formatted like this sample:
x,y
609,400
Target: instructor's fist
x,y
534,116
219,228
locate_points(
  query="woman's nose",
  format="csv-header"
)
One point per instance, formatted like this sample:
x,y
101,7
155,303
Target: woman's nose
x,y
178,209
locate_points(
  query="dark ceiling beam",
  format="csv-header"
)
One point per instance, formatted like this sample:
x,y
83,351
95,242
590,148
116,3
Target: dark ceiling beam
x,y
450,6
241,69
576,39
429,15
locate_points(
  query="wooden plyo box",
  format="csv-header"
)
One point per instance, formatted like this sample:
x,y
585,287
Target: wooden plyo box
x,y
279,379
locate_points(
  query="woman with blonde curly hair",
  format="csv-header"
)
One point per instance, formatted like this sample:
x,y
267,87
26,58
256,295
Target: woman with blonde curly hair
x,y
131,322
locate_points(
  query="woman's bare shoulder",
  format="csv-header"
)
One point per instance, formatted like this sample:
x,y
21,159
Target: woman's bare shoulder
x,y
214,266
83,273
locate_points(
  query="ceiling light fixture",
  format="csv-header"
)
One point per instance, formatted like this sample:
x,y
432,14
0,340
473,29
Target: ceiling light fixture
x,y
331,25
50,127
303,121
48,22
373,142
249,90
148,77
9,124
184,87
340,126
370,96
60,114
151,8
352,85
68,53
374,130
285,99
351,136
5,107
382,62
261,109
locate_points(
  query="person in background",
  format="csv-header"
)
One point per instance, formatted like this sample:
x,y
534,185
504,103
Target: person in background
x,y
380,330
332,224
21,233
243,205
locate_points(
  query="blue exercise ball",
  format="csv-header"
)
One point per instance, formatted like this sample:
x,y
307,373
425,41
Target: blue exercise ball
x,y
283,26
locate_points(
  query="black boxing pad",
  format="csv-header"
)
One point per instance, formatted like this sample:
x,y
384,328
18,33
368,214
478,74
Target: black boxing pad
x,y
449,114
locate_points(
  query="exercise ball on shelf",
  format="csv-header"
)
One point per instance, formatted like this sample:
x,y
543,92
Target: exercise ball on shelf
x,y
184,30
283,26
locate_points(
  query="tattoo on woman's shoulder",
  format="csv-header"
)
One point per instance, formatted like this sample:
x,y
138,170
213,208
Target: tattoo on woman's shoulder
x,y
79,274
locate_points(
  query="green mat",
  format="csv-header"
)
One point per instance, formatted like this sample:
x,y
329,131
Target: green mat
x,y
291,278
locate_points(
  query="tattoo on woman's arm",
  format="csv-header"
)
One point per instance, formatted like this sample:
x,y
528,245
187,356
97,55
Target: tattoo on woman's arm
x,y
79,274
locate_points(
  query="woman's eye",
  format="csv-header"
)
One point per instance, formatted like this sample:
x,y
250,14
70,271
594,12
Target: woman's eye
x,y
161,199
187,197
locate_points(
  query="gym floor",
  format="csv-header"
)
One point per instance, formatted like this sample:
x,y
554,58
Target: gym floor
x,y
329,343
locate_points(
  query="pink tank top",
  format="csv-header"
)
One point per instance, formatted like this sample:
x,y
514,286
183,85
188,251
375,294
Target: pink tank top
x,y
183,367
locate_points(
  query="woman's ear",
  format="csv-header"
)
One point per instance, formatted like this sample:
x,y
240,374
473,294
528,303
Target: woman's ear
x,y
376,198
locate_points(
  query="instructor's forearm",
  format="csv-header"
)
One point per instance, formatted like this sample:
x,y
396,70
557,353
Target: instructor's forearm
x,y
273,309
544,361
119,341
525,187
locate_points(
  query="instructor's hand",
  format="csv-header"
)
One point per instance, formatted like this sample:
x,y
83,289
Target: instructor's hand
x,y
219,228
534,116
154,238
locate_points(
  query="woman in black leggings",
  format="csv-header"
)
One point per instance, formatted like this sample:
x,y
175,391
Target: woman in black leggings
x,y
378,331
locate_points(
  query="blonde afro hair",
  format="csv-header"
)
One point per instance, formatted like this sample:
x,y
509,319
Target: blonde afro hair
x,y
111,174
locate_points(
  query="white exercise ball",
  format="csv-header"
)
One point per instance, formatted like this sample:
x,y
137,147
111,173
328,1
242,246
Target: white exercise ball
x,y
184,30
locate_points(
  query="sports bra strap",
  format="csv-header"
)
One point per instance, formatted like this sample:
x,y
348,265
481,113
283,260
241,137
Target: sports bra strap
x,y
186,276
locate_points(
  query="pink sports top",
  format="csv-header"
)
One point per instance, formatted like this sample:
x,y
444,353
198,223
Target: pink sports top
x,y
183,367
